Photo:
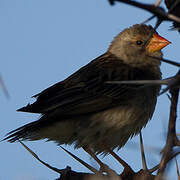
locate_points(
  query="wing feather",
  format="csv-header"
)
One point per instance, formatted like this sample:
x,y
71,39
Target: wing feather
x,y
86,90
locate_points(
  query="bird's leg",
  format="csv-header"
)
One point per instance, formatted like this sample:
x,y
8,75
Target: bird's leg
x,y
92,154
121,161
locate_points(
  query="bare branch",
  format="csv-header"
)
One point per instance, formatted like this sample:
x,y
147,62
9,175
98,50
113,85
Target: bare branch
x,y
177,169
127,168
142,82
174,63
170,158
142,152
42,162
159,12
81,161
171,137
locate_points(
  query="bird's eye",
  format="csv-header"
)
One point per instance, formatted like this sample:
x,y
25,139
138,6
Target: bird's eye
x,y
139,43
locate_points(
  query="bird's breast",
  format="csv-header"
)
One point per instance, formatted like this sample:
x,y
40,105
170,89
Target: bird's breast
x,y
135,113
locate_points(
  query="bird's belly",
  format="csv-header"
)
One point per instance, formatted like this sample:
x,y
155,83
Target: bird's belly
x,y
113,127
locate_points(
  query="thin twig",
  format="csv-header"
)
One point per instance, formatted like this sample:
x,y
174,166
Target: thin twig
x,y
142,153
127,167
158,11
177,169
170,142
42,162
174,63
81,161
174,5
157,166
142,82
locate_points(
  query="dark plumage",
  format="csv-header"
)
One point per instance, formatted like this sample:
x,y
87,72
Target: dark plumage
x,y
85,110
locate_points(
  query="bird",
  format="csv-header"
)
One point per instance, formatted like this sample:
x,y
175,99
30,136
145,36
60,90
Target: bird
x,y
87,111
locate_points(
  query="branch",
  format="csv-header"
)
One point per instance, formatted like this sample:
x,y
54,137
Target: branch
x,y
158,11
143,153
154,9
171,137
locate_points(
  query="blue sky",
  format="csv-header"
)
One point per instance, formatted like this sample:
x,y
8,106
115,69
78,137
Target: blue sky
x,y
44,41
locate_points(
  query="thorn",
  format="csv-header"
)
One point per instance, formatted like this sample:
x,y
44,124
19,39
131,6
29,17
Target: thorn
x,y
81,161
42,162
177,169
142,152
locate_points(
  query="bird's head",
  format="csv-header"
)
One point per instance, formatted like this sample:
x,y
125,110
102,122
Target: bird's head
x,y
134,45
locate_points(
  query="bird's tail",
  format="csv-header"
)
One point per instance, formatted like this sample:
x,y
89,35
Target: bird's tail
x,y
28,131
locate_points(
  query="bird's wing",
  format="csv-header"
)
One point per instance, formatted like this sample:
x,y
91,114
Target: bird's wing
x,y
87,89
